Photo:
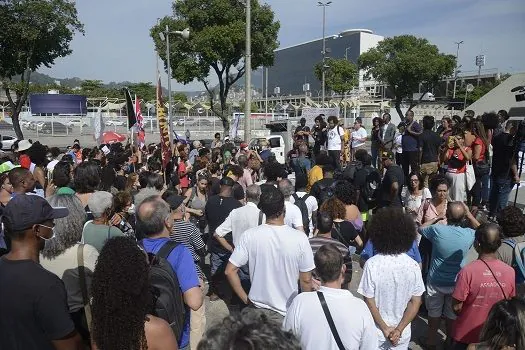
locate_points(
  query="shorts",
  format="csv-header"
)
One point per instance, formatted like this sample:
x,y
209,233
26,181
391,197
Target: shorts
x,y
439,302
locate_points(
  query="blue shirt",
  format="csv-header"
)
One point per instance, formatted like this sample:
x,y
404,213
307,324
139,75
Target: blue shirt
x,y
369,251
450,245
182,263
409,142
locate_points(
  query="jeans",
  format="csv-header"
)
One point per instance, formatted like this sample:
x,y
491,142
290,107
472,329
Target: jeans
x,y
374,150
335,156
499,194
478,189
218,283
410,160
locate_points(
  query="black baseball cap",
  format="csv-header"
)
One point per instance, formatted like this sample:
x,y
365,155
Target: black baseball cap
x,y
24,211
227,181
174,201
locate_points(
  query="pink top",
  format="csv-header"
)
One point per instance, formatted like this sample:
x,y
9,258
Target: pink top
x,y
479,290
428,212
184,181
246,179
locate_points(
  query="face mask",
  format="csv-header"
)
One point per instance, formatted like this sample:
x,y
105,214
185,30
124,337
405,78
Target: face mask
x,y
52,235
131,209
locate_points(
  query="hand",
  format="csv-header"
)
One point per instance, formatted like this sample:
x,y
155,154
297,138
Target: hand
x,y
198,212
394,336
387,331
517,179
116,219
316,284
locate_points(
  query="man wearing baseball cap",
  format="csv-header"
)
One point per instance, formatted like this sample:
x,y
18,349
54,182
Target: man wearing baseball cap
x,y
393,182
33,301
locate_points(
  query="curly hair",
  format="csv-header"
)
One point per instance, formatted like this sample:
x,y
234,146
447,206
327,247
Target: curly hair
x,y
436,181
346,192
62,174
121,296
251,329
512,221
37,153
335,208
69,229
121,200
86,177
391,231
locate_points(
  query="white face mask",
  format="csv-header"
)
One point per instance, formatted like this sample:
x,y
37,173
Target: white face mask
x,y
52,230
131,209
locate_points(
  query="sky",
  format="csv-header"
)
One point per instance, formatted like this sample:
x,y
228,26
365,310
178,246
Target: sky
x,y
117,46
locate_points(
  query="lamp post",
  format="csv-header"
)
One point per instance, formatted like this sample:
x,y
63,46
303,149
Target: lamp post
x,y
324,5
346,52
458,43
165,36
248,72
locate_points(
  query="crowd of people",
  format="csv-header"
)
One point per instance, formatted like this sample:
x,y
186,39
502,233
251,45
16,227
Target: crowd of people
x,y
112,247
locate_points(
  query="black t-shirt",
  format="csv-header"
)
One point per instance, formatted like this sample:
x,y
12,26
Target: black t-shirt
x,y
33,306
344,232
216,211
502,156
215,186
302,128
393,174
360,182
319,185
430,143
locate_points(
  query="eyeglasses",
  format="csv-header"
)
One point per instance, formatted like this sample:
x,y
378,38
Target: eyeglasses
x,y
414,180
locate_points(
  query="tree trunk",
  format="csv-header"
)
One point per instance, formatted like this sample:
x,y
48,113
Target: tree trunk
x,y
398,109
16,124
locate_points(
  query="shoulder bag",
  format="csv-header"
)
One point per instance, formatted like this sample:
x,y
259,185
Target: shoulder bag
x,y
83,285
330,320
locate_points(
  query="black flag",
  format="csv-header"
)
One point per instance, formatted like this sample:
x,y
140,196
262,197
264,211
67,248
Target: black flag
x,y
130,108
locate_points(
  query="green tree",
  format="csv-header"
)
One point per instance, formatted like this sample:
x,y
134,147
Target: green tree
x,y
403,63
217,44
145,91
341,75
33,34
180,96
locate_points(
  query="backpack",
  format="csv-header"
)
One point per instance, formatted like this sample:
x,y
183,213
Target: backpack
x,y
326,193
370,189
168,300
518,260
351,169
301,204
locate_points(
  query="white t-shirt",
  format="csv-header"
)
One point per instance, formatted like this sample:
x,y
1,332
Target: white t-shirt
x,y
392,280
398,143
359,134
275,255
334,138
293,216
239,220
354,322
311,205
412,203
65,266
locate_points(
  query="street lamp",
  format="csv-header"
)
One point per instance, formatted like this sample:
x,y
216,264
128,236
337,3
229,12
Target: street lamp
x,y
248,72
458,43
165,36
324,5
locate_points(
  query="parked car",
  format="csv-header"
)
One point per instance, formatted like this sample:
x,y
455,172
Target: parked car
x,y
56,128
76,122
114,123
8,142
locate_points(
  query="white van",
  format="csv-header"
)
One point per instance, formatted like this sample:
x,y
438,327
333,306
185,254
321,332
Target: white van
x,y
277,146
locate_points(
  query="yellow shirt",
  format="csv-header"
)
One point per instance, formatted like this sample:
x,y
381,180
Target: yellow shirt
x,y
315,174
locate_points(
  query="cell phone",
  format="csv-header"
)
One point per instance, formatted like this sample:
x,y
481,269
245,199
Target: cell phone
x,y
450,142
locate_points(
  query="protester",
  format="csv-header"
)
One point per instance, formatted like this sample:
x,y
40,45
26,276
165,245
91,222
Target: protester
x,y
86,179
154,219
316,173
347,193
293,216
334,143
22,181
476,136
358,137
307,309
398,144
61,257
6,190
35,313
450,244
411,144
475,292
392,184
392,284
377,125
277,256
123,213
324,187
121,301
195,202
387,133
299,198
456,156
429,143
246,179
415,194
433,211
319,134
344,231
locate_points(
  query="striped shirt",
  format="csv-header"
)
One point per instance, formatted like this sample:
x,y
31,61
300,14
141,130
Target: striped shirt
x,y
189,235
318,241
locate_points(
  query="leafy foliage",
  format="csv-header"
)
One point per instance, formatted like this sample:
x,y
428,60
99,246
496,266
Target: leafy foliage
x,y
33,33
341,75
403,62
217,44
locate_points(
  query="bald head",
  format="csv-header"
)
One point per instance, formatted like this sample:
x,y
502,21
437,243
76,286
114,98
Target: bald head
x,y
455,213
153,216
488,238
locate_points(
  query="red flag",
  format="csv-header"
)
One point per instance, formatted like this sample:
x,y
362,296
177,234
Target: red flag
x,y
141,135
163,128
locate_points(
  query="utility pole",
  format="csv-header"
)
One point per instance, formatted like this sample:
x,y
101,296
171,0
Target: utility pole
x,y
324,5
170,122
248,72
458,43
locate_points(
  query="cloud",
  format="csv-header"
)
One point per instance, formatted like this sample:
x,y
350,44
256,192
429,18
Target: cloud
x,y
117,45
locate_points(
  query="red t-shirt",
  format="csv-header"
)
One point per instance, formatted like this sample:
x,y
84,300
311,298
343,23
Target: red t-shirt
x,y
184,181
477,288
25,161
479,142
457,163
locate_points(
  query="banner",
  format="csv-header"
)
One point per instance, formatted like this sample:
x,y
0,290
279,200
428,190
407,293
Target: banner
x,y
141,135
235,125
130,109
163,128
310,113
98,125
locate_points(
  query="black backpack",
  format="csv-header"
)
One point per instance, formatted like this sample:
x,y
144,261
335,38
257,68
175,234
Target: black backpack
x,y
351,169
326,193
370,189
168,300
301,204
